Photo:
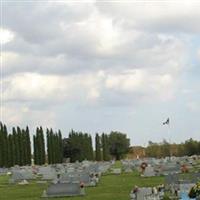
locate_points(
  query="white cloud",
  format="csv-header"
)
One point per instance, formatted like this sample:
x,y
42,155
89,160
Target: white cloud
x,y
142,82
31,86
87,87
128,81
168,16
6,36
23,115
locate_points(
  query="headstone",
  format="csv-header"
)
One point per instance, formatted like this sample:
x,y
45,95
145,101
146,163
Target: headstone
x,y
149,171
64,190
48,173
20,175
88,180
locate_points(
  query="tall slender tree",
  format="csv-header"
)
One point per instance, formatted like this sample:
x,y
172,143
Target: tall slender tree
x,y
1,144
28,146
42,143
98,147
105,147
5,146
16,144
60,146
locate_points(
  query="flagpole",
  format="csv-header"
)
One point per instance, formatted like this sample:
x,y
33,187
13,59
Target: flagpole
x,y
169,136
167,122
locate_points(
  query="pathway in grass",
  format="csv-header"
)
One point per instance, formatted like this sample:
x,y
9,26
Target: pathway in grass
x,y
110,187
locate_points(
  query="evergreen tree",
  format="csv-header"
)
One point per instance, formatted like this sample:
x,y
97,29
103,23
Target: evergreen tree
x,y
105,147
16,147
24,147
48,146
35,156
98,147
42,143
5,146
13,151
1,145
90,149
51,146
119,144
60,146
28,146
10,151
21,149
39,147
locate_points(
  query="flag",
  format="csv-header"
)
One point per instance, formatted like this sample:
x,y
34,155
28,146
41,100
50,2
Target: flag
x,y
166,122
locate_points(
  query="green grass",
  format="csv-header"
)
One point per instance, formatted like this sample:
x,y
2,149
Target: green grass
x,y
110,187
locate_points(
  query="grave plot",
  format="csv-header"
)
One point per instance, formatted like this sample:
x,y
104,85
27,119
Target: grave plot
x,y
146,193
149,172
64,190
48,173
171,168
21,175
65,178
88,179
179,186
103,168
127,166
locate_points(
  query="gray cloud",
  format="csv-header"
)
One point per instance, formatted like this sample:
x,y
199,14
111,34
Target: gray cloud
x,y
75,41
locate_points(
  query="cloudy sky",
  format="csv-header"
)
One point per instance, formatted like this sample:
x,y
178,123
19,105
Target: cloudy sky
x,y
102,66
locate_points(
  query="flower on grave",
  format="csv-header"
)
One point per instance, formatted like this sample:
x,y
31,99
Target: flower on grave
x,y
143,165
81,185
184,169
195,191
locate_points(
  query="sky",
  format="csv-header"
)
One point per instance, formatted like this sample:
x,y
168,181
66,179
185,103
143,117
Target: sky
x,y
101,66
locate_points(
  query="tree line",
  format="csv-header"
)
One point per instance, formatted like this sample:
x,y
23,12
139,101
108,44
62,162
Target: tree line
x,y
78,146
188,148
15,147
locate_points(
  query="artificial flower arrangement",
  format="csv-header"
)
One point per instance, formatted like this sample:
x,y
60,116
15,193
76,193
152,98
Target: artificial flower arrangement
x,y
195,191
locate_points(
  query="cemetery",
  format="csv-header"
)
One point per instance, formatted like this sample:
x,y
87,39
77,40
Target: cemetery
x,y
100,100
69,168
110,180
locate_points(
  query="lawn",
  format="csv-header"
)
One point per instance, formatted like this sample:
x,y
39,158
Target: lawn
x,y
110,187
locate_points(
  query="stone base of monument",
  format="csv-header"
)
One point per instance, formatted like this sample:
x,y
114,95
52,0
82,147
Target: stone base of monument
x,y
64,190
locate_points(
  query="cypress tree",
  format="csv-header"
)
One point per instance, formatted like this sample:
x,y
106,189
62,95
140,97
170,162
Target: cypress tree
x,y
60,147
51,147
36,160
21,149
10,153
5,146
13,150
42,146
98,147
57,148
105,147
28,146
55,142
24,147
16,147
91,148
1,144
48,146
